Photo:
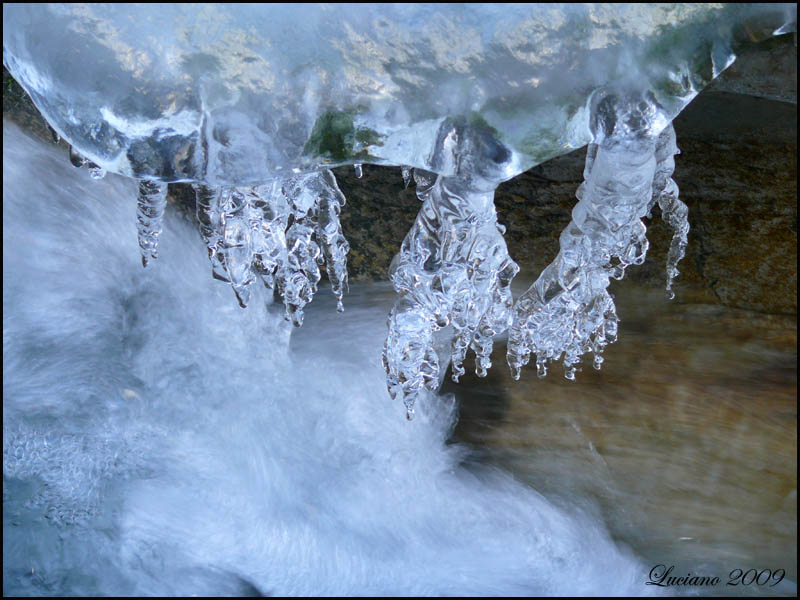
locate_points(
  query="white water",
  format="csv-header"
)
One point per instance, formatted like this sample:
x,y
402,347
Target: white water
x,y
158,439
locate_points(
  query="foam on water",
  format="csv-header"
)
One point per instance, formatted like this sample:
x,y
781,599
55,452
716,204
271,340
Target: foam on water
x,y
160,440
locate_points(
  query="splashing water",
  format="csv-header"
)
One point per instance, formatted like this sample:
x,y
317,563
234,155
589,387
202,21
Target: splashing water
x,y
454,93
159,440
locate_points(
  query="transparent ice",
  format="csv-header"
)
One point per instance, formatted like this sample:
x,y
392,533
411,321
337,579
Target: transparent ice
x,y
150,214
254,105
280,232
568,311
453,268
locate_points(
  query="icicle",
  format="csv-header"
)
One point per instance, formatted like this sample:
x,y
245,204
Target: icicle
x,y
282,232
150,215
302,275
315,202
329,233
212,224
568,311
673,211
234,248
53,134
269,215
76,159
302,272
458,354
453,269
497,319
359,173
406,175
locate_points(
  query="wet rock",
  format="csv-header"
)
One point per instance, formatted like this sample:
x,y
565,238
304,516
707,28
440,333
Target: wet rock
x,y
767,70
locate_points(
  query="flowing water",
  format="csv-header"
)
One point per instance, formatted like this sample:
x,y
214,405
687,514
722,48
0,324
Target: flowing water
x,y
158,439
685,442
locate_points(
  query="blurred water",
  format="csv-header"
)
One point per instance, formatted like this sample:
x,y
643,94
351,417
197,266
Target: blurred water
x,y
158,439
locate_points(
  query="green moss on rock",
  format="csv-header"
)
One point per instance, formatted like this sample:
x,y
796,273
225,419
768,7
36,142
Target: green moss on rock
x,y
334,137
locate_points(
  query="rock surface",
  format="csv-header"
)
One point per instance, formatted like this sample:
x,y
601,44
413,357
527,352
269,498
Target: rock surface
x,y
767,70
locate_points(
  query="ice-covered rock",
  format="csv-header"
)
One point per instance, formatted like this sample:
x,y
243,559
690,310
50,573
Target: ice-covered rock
x,y
232,94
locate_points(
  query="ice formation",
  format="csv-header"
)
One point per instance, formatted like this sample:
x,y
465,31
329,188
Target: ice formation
x,y
254,105
453,268
160,441
150,214
281,232
568,311
673,211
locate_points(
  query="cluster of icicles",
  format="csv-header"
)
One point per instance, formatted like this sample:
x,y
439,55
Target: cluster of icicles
x,y
453,272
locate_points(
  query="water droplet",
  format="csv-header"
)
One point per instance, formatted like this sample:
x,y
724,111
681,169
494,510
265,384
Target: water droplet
x,y
541,369
406,176
96,171
75,158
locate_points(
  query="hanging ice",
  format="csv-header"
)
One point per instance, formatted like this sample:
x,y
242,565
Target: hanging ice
x,y
568,311
329,233
149,214
253,105
673,211
210,220
281,232
453,268
315,201
235,251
